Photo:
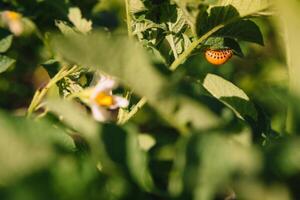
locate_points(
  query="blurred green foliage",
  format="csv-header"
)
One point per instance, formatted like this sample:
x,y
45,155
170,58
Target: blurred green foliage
x,y
200,132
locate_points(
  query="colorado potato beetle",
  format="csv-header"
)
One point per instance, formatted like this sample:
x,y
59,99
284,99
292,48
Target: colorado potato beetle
x,y
218,57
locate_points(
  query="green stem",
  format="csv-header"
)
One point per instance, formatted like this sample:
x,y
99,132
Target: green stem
x,y
40,94
128,18
134,110
182,57
124,117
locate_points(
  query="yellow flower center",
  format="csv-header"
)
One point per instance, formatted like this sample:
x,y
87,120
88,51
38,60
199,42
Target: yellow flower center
x,y
104,99
11,15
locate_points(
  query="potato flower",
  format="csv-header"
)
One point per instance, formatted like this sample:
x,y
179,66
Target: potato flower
x,y
14,21
103,102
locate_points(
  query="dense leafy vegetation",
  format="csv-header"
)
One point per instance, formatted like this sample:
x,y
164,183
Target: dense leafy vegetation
x,y
113,99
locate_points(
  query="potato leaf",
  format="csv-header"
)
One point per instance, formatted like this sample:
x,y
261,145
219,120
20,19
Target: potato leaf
x,y
231,96
5,41
5,63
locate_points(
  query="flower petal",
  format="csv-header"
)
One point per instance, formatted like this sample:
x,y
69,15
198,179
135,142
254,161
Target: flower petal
x,y
14,21
105,84
119,102
100,114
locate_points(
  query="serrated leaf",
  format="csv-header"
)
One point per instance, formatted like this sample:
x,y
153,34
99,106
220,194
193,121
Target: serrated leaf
x,y
232,96
64,28
190,9
82,25
136,6
186,41
5,41
177,27
5,63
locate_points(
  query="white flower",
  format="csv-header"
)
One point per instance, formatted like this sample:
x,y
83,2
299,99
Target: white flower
x,y
14,21
103,102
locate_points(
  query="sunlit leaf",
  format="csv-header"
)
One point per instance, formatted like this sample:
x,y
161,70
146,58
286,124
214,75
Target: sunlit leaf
x,y
80,23
231,96
64,28
247,7
136,6
5,41
5,63
290,13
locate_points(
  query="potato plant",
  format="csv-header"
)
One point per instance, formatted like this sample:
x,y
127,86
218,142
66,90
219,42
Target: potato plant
x,y
149,99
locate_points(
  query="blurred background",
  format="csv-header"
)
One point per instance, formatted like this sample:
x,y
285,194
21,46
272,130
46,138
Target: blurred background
x,y
164,164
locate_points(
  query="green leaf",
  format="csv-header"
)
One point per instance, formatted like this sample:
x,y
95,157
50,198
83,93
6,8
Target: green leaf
x,y
234,45
27,146
110,5
137,159
131,65
179,24
245,30
74,116
218,15
136,6
51,66
82,25
231,96
223,43
64,28
284,154
208,24
247,7
290,14
5,41
239,28
121,144
191,9
211,162
5,63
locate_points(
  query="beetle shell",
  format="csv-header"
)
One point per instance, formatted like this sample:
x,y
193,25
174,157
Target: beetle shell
x,y
218,57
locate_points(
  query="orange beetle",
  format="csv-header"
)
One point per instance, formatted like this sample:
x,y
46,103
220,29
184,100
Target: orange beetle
x,y
218,57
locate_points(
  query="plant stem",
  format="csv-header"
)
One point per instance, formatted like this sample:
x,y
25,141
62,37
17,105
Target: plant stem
x,y
134,110
182,57
40,94
124,117
128,18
